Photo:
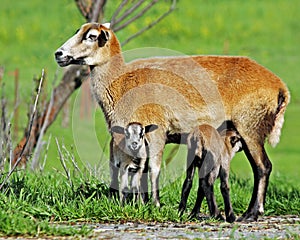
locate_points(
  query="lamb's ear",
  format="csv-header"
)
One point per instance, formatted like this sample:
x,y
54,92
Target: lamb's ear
x,y
103,38
150,128
117,129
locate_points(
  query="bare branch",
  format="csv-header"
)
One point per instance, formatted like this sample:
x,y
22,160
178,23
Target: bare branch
x,y
141,13
84,11
39,143
129,11
97,11
119,9
171,9
29,131
72,80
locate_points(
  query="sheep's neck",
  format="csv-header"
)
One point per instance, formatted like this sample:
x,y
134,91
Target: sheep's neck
x,y
101,79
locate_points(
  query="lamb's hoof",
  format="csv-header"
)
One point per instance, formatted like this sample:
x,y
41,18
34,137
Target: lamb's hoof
x,y
231,218
219,217
113,193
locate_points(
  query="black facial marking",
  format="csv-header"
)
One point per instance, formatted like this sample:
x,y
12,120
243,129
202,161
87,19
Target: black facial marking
x,y
102,39
85,34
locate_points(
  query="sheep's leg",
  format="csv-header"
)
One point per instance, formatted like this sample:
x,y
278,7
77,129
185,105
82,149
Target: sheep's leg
x,y
210,197
154,164
188,182
225,190
262,168
114,172
200,197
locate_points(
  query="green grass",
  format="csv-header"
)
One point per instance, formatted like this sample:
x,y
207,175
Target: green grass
x,y
46,204
31,31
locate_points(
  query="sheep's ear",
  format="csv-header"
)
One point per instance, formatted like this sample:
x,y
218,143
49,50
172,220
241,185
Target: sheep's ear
x,y
107,25
150,128
117,129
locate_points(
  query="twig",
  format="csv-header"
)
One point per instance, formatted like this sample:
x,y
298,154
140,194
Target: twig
x,y
81,8
116,13
71,156
141,13
115,21
39,144
63,163
171,9
29,131
46,154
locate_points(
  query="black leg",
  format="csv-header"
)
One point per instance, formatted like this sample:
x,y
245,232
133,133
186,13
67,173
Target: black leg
x,y
188,182
200,197
262,168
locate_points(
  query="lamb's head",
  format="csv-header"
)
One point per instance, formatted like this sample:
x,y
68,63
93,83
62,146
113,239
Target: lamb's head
x,y
93,44
134,135
233,140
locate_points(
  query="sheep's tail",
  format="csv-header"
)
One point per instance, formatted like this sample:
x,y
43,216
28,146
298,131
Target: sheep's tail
x,y
283,100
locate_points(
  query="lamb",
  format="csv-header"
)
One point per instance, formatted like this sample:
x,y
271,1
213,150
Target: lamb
x,y
211,152
191,91
132,155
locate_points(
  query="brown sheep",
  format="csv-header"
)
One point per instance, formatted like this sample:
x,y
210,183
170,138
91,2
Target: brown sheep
x,y
211,152
192,90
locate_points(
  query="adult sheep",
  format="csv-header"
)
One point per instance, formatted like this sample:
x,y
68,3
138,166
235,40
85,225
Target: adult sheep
x,y
250,96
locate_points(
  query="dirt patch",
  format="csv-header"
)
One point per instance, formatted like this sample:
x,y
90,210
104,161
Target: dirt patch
x,y
279,227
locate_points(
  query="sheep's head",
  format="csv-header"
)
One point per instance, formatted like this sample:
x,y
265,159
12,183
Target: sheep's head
x,y
91,45
134,134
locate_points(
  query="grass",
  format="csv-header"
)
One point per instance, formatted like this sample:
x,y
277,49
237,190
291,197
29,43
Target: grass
x,y
38,204
31,31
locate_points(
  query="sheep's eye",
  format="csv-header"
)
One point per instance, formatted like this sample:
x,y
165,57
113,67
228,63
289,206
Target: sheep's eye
x,y
92,37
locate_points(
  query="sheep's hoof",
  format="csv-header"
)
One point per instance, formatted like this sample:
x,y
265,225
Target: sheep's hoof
x,y
248,217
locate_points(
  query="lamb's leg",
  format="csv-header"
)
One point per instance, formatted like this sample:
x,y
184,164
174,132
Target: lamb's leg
x,y
200,197
262,168
208,188
136,180
144,183
224,187
114,172
188,182
124,189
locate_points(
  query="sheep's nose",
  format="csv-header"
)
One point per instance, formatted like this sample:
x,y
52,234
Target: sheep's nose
x,y
58,54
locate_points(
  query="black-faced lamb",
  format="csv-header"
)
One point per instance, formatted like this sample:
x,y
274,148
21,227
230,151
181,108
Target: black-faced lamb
x,y
210,152
132,157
